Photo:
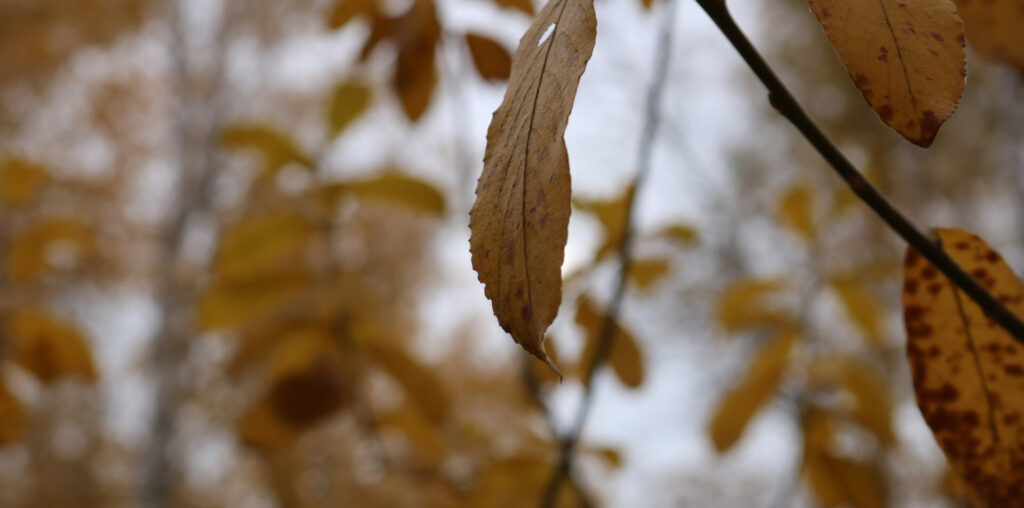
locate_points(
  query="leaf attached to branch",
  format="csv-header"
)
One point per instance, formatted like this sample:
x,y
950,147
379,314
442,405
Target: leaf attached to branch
x,y
907,58
968,372
520,219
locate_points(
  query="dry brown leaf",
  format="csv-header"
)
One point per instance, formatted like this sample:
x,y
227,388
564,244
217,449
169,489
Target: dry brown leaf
x,y
491,59
624,357
49,348
994,29
520,219
968,372
907,58
742,402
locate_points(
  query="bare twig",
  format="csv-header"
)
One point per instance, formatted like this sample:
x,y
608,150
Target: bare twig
x,y
785,104
606,334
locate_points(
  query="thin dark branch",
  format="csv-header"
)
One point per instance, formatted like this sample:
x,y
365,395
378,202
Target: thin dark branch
x,y
606,334
784,102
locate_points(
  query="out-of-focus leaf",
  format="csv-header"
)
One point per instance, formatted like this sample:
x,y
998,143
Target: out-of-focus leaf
x,y
422,431
743,305
419,382
611,456
683,234
511,483
839,481
907,59
612,215
872,402
49,348
13,420
48,246
796,210
277,148
993,29
262,244
645,272
344,11
229,304
968,372
624,357
310,381
416,34
491,59
862,307
348,102
21,181
523,5
735,410
519,222
392,186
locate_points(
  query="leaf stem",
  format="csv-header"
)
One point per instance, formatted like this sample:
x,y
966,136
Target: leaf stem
x,y
606,334
785,104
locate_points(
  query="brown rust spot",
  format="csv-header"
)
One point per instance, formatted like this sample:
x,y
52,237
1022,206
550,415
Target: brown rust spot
x,y
992,256
933,289
937,36
883,54
912,257
929,272
885,112
910,286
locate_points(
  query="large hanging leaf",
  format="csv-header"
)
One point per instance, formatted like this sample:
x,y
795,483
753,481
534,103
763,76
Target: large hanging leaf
x,y
743,401
20,181
906,57
994,29
968,372
49,348
520,219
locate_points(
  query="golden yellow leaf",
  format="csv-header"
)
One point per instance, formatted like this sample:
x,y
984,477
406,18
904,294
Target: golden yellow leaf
x,y
419,382
612,215
21,181
862,308
684,234
13,420
48,246
520,220
907,58
491,59
624,357
49,348
344,11
394,187
968,372
735,410
511,483
839,481
743,305
228,304
796,210
994,29
872,402
523,5
262,244
348,102
645,272
277,148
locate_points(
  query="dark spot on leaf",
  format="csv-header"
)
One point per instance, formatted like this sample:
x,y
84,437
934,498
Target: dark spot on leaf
x,y
929,272
910,286
937,36
885,112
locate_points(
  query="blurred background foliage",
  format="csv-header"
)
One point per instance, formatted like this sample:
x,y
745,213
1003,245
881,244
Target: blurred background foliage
x,y
233,266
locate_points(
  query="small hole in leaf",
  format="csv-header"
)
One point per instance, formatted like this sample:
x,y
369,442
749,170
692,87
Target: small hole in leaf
x,y
547,33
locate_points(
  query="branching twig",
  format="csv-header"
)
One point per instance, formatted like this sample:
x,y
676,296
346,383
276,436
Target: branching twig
x,y
784,102
606,334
